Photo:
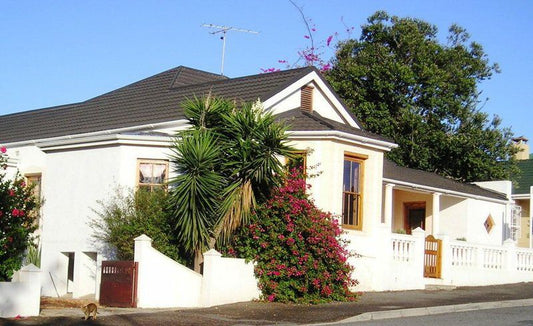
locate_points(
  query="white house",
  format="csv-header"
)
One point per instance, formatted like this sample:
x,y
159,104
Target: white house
x,y
79,152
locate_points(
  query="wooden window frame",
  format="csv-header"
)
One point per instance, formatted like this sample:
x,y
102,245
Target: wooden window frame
x,y
413,205
27,178
360,159
151,186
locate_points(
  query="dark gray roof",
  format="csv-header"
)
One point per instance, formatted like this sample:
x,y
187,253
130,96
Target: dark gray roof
x,y
395,172
152,100
300,120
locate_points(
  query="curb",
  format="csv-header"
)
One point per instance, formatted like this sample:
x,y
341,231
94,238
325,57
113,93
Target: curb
x,y
425,311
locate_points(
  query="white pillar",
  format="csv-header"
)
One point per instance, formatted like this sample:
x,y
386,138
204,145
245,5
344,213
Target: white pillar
x,y
143,244
31,275
387,208
211,274
436,214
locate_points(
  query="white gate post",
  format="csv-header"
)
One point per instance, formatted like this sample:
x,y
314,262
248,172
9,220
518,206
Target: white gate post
x,y
31,275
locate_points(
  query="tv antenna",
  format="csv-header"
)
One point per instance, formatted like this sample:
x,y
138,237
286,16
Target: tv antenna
x,y
224,30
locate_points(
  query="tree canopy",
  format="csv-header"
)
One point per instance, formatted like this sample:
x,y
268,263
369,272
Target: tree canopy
x,y
401,82
226,163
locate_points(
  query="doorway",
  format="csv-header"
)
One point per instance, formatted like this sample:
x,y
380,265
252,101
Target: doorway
x,y
415,216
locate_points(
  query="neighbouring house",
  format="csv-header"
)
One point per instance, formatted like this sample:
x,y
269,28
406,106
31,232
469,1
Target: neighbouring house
x,y
78,153
523,190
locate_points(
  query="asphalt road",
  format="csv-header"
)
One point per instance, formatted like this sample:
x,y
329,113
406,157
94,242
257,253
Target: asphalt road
x,y
515,316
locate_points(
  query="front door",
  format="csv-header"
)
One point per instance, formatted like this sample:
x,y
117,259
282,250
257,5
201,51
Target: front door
x,y
415,216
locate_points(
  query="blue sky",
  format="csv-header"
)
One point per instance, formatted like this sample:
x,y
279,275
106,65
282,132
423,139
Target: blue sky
x,y
59,52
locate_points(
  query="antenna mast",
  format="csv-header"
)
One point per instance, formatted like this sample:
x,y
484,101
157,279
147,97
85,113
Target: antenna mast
x,y
224,30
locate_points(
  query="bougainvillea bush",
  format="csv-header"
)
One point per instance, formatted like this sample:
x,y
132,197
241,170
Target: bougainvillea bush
x,y
297,249
17,219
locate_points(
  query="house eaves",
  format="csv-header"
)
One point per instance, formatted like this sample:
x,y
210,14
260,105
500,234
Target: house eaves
x,y
432,182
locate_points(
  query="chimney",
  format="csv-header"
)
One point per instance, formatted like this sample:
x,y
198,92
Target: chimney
x,y
306,98
523,148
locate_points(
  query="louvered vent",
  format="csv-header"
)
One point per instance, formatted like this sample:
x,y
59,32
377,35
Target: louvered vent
x,y
306,102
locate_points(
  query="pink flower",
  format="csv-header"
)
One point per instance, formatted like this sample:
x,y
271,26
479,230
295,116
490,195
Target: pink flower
x,y
271,297
3,150
15,212
11,192
328,41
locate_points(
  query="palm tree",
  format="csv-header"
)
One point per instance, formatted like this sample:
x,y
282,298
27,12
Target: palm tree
x,y
254,143
226,163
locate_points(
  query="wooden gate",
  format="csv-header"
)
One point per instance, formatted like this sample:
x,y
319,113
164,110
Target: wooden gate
x,y
118,287
432,257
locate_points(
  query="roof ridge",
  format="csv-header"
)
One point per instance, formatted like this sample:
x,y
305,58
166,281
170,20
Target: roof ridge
x,y
215,82
175,69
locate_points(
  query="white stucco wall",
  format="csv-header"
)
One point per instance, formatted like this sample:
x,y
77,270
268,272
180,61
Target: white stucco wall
x,y
72,182
22,296
454,217
478,211
326,189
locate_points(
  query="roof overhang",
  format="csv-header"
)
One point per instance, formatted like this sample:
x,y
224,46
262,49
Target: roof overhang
x,y
90,139
342,136
424,188
521,196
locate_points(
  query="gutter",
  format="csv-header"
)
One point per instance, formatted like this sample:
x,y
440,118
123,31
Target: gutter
x,y
94,135
444,191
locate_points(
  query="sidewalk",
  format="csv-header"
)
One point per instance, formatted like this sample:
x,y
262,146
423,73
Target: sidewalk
x,y
372,305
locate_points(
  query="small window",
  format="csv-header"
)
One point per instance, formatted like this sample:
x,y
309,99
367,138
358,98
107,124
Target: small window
x,y
352,192
152,174
34,179
297,161
489,223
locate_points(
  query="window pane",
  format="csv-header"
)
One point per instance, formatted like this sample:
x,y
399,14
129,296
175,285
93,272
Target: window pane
x,y
351,192
145,172
152,174
355,176
159,173
346,178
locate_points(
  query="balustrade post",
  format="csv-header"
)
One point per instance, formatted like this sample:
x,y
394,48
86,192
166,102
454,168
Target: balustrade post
x,y
511,261
419,236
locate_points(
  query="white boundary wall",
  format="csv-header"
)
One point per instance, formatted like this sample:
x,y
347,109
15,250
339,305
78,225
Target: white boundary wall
x,y
164,283
391,262
21,296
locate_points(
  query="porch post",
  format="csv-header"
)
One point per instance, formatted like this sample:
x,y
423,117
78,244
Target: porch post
x,y
387,208
436,214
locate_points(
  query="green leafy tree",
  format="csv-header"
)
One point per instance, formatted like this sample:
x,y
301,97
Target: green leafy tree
x,y
401,82
298,253
17,219
128,214
226,163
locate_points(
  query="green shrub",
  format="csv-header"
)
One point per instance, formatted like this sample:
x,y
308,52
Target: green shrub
x,y
297,249
124,217
17,219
